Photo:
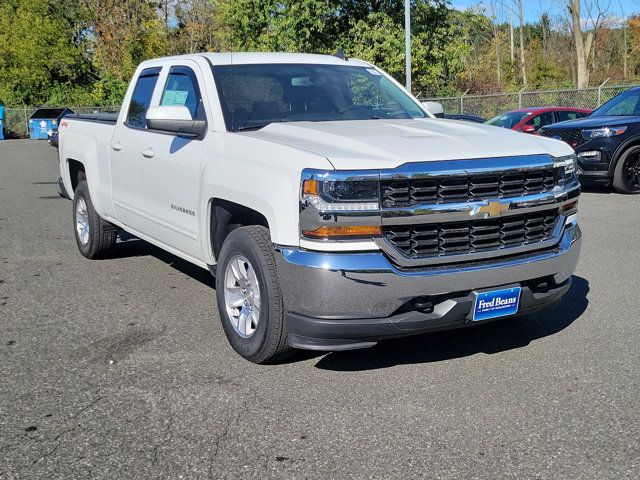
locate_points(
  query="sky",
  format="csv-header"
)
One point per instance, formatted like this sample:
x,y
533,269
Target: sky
x,y
533,8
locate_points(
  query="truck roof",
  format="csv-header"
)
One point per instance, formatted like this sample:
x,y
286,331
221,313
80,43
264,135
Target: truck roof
x,y
239,58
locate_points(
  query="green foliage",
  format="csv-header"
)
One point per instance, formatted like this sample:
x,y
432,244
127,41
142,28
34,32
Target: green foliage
x,y
83,52
40,54
370,30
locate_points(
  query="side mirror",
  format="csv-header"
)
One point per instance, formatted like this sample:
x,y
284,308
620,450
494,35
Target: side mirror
x,y
175,119
528,129
434,108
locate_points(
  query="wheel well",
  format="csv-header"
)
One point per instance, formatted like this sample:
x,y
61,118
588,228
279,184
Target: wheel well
x,y
227,216
76,173
620,151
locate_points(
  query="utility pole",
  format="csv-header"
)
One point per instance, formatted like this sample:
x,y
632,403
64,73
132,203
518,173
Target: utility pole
x,y
407,41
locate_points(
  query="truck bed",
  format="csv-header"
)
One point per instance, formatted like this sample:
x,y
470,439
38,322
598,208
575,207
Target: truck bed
x,y
110,118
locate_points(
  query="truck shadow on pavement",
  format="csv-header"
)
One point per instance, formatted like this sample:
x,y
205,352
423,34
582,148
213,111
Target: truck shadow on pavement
x,y
134,247
494,337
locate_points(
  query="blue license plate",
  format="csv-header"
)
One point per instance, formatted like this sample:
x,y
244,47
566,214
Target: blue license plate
x,y
496,303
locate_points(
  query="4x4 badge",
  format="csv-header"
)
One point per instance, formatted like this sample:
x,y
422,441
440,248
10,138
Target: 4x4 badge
x,y
491,209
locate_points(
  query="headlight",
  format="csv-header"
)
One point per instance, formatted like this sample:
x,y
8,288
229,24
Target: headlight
x,y
604,132
329,195
567,164
339,205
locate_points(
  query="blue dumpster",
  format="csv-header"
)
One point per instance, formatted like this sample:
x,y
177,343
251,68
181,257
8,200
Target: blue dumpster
x,y
2,121
45,120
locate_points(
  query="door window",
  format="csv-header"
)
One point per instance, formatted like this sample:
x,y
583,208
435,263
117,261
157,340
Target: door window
x,y
141,98
541,120
182,89
568,115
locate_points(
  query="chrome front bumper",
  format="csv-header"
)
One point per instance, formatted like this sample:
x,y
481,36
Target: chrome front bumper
x,y
360,289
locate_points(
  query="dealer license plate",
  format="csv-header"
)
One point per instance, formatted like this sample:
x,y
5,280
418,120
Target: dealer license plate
x,y
496,303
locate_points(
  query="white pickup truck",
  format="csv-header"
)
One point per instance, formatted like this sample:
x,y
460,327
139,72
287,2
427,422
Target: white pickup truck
x,y
332,207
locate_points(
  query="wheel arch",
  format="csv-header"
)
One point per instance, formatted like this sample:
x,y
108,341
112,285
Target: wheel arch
x,y
622,148
223,217
77,171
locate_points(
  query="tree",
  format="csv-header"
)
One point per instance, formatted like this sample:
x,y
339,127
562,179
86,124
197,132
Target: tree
x,y
523,67
633,25
121,34
583,41
42,57
368,29
199,27
495,29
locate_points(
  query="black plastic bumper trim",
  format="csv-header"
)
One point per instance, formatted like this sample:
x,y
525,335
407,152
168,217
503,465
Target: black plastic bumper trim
x,y
346,334
61,190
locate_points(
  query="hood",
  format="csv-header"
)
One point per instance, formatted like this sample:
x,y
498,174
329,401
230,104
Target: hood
x,y
595,122
364,144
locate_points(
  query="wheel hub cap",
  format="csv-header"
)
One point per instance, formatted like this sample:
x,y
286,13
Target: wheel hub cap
x,y
242,296
82,221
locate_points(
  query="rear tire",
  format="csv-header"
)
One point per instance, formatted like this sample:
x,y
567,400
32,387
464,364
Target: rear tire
x,y
246,283
626,177
95,237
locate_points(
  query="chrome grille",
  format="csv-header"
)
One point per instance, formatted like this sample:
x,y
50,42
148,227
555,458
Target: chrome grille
x,y
442,239
572,136
468,188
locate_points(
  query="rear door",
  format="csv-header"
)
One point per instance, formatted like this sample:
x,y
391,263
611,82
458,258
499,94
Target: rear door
x,y
125,157
541,120
569,115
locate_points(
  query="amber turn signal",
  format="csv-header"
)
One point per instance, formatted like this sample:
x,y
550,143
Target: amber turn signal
x,y
569,207
310,187
343,231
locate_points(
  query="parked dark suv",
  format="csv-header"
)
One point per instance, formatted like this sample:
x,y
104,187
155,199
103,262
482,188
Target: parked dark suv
x,y
607,142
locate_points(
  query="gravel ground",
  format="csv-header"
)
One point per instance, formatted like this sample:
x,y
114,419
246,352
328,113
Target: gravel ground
x,y
120,369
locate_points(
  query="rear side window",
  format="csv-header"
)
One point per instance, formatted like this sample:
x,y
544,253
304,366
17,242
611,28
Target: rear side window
x,y
541,120
568,115
141,99
182,89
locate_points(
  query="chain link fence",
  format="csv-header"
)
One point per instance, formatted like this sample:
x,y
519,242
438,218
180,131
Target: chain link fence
x,y
488,106
17,119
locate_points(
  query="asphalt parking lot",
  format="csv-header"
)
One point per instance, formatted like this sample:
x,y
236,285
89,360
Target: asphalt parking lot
x,y
120,369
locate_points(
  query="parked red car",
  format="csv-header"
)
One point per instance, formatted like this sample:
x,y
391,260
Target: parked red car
x,y
530,120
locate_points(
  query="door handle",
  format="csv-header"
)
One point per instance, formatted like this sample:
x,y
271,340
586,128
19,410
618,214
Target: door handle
x,y
148,152
117,146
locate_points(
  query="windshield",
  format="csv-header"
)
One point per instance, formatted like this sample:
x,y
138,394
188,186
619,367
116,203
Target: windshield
x,y
508,120
253,96
625,104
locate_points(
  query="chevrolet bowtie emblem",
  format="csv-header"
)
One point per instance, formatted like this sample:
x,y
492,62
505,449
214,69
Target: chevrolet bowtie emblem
x,y
491,209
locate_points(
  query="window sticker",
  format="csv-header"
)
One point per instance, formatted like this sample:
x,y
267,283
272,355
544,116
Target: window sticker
x,y
373,71
301,82
174,97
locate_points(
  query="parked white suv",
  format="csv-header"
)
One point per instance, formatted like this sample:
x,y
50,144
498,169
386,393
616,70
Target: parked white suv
x,y
334,210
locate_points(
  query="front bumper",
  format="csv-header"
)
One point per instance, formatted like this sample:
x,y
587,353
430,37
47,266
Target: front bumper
x,y
339,301
595,160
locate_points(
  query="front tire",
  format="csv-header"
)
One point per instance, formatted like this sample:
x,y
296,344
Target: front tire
x,y
626,178
94,236
249,298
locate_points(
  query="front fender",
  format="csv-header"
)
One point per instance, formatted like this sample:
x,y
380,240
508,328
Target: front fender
x,y
261,175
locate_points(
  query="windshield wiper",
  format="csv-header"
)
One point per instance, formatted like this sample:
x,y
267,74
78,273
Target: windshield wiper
x,y
252,127
260,125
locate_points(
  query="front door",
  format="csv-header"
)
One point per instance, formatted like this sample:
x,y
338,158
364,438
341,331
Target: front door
x,y
172,166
